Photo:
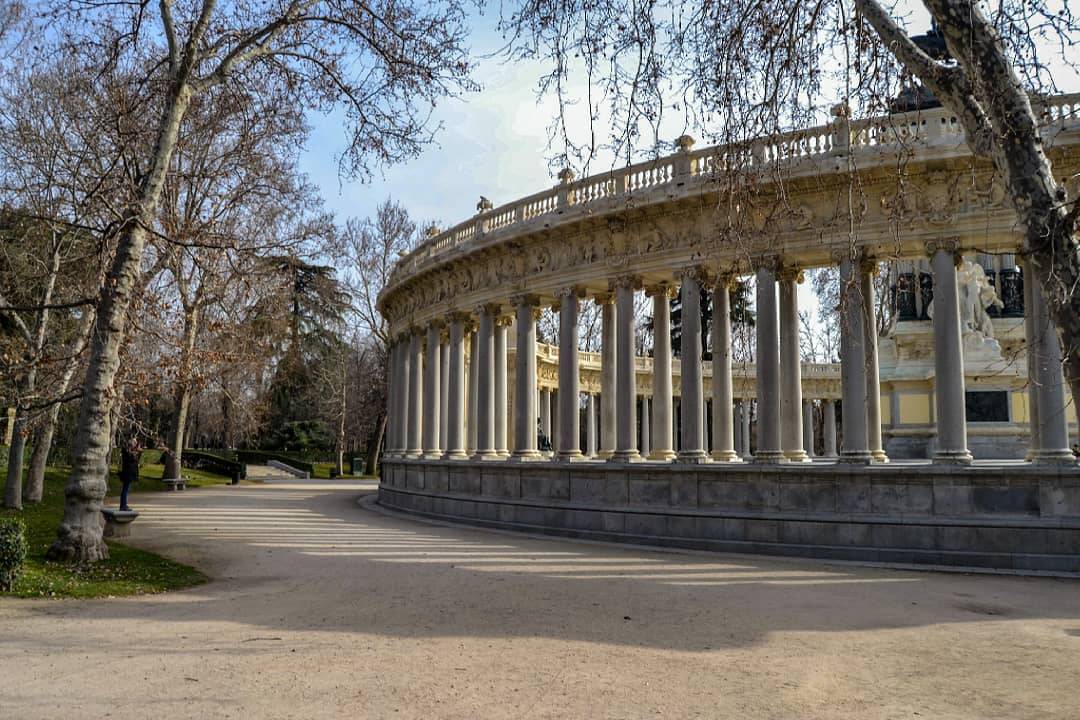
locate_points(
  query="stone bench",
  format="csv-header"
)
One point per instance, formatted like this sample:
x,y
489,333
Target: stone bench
x,y
175,484
118,522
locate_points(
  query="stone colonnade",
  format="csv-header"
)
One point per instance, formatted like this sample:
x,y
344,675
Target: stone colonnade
x,y
436,414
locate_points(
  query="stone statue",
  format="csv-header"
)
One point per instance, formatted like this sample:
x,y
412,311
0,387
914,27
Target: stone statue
x,y
976,294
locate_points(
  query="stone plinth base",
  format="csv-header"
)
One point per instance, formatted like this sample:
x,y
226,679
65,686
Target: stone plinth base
x,y
1008,517
118,522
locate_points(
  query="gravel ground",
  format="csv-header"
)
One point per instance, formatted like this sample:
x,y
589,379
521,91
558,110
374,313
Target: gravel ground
x,y
321,608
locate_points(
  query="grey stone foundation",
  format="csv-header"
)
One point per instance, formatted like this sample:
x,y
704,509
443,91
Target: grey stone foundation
x,y
1007,517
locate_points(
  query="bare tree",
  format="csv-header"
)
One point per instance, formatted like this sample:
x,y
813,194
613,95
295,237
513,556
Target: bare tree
x,y
384,62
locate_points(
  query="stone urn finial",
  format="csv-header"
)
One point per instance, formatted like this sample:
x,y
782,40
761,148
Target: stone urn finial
x,y
840,110
484,205
566,176
684,143
432,230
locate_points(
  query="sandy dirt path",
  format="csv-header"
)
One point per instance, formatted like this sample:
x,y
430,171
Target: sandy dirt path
x,y
321,608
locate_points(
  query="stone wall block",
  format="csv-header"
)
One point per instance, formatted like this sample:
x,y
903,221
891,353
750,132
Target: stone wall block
x,y
808,496
1012,500
646,524
649,491
684,490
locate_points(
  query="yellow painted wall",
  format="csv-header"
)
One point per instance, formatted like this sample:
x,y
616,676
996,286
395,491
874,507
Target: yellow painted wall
x,y
886,409
1020,406
914,408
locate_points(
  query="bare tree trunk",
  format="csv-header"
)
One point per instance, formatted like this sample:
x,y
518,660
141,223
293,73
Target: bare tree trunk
x,y
183,394
13,494
341,418
374,448
35,483
993,105
79,537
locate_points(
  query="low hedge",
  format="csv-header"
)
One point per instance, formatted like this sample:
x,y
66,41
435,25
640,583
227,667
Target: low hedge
x,y
12,552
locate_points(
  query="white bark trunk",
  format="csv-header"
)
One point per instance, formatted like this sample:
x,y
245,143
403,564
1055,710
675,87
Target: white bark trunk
x,y
79,537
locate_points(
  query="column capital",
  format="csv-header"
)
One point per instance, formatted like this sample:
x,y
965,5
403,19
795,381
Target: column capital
x,y
436,324
947,244
631,281
570,291
491,308
504,320
527,299
662,288
789,273
694,272
604,298
726,280
460,316
869,265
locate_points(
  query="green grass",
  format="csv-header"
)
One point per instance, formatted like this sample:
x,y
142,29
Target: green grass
x,y
322,470
150,479
128,571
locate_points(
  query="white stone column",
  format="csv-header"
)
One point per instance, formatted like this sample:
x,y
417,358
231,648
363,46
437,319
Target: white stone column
x,y
455,390
569,376
868,270
433,392
768,369
444,387
949,389
501,406
1053,433
606,301
525,379
414,447
828,427
646,421
625,371
1030,337
855,448
590,426
808,427
485,391
692,436
723,449
473,387
390,446
747,447
791,431
545,412
662,435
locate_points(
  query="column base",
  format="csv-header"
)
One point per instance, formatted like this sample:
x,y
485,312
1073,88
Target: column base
x,y
770,457
486,455
503,453
1061,457
455,455
604,454
526,456
569,456
855,457
665,455
726,456
433,455
797,456
412,455
879,456
625,456
692,457
952,457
